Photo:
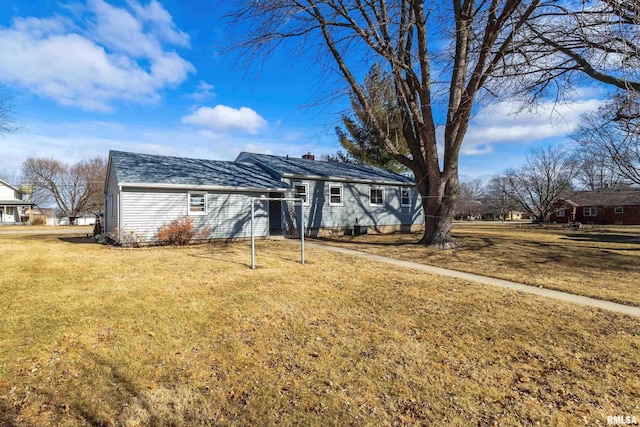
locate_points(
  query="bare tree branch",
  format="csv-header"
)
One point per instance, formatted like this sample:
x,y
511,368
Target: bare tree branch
x,y
76,189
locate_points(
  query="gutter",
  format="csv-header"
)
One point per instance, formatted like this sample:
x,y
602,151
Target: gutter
x,y
200,187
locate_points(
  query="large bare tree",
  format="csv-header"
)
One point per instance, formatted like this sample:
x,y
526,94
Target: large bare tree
x,y
596,172
499,197
611,136
469,201
546,176
76,189
443,55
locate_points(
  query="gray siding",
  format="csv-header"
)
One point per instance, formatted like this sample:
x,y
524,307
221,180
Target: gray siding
x,y
228,214
356,208
111,203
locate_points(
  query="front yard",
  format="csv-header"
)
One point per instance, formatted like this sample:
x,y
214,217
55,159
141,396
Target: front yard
x,y
598,262
94,335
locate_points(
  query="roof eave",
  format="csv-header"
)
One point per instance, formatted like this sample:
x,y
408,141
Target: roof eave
x,y
200,187
15,203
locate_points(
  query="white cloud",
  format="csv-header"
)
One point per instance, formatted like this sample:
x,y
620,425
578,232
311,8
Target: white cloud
x,y
223,118
115,55
498,125
74,141
203,91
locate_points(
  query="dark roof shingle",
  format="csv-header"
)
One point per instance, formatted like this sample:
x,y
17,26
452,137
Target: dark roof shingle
x,y
323,169
606,198
155,169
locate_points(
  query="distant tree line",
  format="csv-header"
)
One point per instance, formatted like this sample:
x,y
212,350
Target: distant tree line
x,y
74,189
547,176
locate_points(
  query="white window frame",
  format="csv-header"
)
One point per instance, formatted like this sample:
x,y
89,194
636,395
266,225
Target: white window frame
x,y
332,186
590,211
560,213
618,210
408,189
196,213
372,188
306,192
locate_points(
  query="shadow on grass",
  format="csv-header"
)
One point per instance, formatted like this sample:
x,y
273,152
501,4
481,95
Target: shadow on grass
x,y
213,257
7,415
603,238
61,409
362,242
130,405
80,240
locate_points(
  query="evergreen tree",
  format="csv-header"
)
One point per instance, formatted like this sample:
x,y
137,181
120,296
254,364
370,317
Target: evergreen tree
x,y
359,138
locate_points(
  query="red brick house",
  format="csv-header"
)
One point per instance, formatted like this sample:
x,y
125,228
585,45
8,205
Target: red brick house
x,y
600,207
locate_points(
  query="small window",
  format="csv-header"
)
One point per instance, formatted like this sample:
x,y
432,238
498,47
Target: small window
x,y
335,195
590,211
618,210
302,191
405,196
375,196
197,203
560,213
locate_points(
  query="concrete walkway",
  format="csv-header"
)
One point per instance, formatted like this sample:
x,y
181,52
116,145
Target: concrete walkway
x,y
562,296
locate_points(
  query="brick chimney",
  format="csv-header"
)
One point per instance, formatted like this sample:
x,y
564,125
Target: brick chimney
x,y
308,156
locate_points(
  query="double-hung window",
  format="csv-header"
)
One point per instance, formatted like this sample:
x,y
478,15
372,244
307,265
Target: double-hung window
x,y
560,213
405,196
590,211
335,195
302,192
197,203
375,196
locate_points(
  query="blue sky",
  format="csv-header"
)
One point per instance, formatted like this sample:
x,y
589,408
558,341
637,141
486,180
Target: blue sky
x,y
148,76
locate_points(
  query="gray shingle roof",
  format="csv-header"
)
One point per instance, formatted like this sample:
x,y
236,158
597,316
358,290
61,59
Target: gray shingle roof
x,y
317,168
606,198
155,169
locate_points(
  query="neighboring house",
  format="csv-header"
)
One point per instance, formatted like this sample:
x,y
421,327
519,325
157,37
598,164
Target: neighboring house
x,y
143,192
600,207
46,216
89,219
12,208
341,197
518,216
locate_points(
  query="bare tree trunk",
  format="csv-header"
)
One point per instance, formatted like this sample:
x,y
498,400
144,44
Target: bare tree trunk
x,y
438,207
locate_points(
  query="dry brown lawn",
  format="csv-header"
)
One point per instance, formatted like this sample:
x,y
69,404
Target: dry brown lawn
x,y
93,335
599,262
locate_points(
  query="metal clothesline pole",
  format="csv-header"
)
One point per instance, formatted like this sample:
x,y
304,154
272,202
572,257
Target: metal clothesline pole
x,y
253,233
253,237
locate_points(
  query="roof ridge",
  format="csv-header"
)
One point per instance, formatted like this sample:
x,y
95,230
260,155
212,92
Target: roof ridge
x,y
327,169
